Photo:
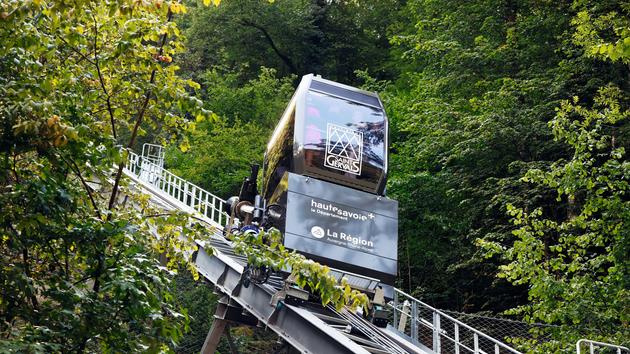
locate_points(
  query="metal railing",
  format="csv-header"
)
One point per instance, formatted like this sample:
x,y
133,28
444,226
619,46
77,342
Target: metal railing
x,y
593,344
189,196
503,328
439,331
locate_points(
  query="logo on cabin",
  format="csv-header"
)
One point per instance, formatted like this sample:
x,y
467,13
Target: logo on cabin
x,y
344,149
343,239
317,232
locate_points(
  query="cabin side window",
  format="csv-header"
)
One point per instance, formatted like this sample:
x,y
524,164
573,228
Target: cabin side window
x,y
279,155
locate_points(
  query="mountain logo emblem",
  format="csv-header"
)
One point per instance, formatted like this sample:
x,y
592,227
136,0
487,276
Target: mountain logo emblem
x,y
344,149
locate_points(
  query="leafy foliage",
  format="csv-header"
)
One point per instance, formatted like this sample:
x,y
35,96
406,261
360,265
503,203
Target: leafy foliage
x,y
574,258
469,117
573,254
79,267
472,93
295,37
604,31
266,249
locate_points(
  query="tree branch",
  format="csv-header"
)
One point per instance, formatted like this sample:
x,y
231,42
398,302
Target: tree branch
x,y
27,271
101,80
83,56
87,188
285,59
139,118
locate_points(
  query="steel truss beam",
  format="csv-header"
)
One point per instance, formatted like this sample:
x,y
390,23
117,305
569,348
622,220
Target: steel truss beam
x,y
298,327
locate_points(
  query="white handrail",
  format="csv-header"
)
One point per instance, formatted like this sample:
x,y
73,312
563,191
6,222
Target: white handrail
x,y
154,152
189,196
592,344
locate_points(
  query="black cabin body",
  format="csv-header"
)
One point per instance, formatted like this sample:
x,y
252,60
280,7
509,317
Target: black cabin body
x,y
324,178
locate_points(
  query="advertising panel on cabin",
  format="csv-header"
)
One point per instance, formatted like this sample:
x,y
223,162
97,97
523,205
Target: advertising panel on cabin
x,y
353,230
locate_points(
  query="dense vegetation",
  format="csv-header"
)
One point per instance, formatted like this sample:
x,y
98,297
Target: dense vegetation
x,y
79,270
497,179
509,121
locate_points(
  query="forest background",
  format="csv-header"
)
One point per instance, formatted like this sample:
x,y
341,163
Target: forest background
x,y
509,130
493,105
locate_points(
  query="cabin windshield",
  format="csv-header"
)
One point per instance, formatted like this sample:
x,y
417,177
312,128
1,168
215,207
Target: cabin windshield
x,y
344,137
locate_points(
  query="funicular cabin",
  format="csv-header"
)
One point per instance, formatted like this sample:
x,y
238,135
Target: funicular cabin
x,y
324,179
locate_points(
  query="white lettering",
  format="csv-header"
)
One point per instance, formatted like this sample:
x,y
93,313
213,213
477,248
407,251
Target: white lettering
x,y
329,209
355,241
343,163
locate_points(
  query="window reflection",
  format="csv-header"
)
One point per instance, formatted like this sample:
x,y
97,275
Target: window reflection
x,y
279,154
362,140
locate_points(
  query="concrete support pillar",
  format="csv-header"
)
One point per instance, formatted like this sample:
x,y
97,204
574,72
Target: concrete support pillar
x,y
213,337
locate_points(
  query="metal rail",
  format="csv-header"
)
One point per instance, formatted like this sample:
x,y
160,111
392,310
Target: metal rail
x,y
593,344
191,198
439,331
299,327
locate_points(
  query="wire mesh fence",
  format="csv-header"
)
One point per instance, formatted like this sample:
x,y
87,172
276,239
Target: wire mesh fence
x,y
456,332
191,345
503,329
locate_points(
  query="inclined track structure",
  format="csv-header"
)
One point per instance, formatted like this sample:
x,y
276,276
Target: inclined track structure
x,y
308,328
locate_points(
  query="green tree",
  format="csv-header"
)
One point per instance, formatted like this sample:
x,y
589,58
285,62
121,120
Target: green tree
x,y
79,269
329,38
469,117
221,151
573,254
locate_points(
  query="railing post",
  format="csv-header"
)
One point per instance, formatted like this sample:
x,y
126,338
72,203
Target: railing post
x,y
414,321
153,173
476,340
220,213
160,179
436,332
214,202
403,317
205,206
456,337
193,194
395,307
